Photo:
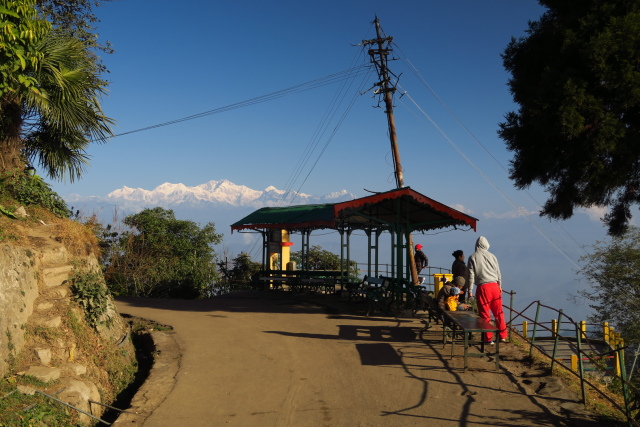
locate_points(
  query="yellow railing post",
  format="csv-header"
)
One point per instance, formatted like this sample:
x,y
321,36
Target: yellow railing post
x,y
605,332
583,328
612,336
554,327
525,328
574,363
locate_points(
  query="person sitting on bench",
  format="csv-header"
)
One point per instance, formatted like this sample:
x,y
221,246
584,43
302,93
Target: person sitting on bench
x,y
449,294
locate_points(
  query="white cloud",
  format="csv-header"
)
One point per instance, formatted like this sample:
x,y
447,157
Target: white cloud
x,y
595,213
462,209
520,212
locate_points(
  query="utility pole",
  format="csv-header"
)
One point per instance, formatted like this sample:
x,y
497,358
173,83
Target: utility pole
x,y
379,57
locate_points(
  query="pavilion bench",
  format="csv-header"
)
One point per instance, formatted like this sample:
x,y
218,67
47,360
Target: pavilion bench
x,y
358,291
463,324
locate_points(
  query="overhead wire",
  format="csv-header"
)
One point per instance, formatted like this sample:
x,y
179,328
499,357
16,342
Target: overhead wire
x,y
347,77
302,87
321,129
417,73
336,103
489,180
323,125
332,135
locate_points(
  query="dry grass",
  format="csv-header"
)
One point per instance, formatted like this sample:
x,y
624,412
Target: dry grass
x,y
596,403
79,239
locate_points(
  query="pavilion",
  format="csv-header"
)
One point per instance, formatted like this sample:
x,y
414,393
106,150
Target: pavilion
x,y
399,212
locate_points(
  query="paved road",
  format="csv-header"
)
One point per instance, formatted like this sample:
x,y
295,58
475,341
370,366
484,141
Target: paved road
x,y
248,360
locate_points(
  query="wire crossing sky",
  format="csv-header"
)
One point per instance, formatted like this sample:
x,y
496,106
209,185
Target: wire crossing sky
x,y
181,77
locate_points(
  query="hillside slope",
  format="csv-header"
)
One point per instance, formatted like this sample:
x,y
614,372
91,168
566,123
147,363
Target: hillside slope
x,y
58,324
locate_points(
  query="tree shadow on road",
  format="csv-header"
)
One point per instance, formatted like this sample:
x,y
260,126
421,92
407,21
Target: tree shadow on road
x,y
246,302
456,377
405,346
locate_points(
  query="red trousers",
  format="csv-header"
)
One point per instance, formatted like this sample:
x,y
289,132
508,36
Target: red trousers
x,y
489,299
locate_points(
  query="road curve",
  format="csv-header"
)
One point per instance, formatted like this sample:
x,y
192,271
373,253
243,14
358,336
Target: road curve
x,y
254,360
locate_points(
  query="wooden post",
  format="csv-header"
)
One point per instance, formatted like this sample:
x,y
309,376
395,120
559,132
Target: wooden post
x,y
386,89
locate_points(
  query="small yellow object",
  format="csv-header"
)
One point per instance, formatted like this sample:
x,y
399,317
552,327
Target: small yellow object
x,y
72,351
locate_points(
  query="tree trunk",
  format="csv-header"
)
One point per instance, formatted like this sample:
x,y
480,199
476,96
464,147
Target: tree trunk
x,y
11,160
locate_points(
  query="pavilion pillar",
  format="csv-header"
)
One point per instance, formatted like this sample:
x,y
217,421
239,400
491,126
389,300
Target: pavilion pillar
x,y
345,254
304,250
373,245
265,250
279,249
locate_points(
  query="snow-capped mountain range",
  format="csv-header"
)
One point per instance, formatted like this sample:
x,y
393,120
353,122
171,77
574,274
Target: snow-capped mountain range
x,y
223,193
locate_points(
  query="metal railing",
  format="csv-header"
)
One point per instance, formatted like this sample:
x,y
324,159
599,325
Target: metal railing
x,y
385,270
600,349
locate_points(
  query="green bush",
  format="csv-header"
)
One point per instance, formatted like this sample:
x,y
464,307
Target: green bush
x,y
30,189
91,294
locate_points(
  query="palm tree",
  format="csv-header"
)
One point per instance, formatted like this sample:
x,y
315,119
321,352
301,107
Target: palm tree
x,y
54,118
65,117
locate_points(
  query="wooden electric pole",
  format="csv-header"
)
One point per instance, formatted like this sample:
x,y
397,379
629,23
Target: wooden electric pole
x,y
379,57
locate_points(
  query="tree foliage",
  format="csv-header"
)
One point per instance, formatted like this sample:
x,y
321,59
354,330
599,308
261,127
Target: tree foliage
x,y
576,78
241,269
77,18
614,269
21,30
162,256
50,90
321,259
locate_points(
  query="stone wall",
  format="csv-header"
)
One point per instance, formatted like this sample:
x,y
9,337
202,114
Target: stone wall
x,y
44,331
18,292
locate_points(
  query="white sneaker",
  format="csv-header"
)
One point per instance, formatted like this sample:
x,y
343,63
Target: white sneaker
x,y
491,343
503,340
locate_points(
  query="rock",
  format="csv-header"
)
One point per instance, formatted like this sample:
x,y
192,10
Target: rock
x,y
79,393
77,369
21,212
44,354
25,389
49,322
43,373
59,291
44,306
56,276
55,256
552,385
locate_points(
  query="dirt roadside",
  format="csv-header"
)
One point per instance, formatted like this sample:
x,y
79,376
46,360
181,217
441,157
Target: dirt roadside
x,y
256,359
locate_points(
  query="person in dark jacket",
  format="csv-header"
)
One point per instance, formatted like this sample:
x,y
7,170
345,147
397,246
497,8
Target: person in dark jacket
x,y
459,269
420,259
452,290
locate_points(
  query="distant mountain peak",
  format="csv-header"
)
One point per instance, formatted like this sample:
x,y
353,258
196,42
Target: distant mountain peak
x,y
222,193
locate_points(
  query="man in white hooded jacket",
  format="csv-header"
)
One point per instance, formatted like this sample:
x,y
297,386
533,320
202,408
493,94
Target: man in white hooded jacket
x,y
484,274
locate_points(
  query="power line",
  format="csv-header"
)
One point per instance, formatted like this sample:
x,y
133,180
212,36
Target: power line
x,y
486,178
332,110
479,143
313,84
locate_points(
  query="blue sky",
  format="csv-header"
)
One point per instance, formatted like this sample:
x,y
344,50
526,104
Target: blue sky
x,y
175,60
